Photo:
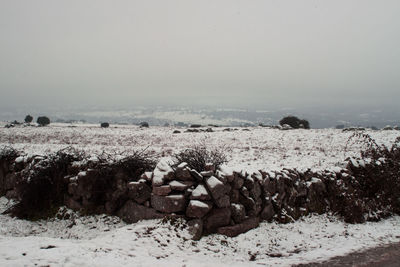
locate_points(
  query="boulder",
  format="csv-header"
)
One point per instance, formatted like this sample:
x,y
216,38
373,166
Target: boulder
x,y
162,172
235,230
248,203
200,193
163,190
183,174
234,196
216,187
138,191
180,185
132,212
237,182
168,204
197,209
223,202
249,182
238,213
268,212
217,218
195,228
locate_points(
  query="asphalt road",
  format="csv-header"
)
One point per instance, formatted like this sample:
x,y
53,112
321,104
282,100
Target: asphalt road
x,y
384,256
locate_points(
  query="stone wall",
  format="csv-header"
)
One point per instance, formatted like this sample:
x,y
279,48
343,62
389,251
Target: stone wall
x,y
212,201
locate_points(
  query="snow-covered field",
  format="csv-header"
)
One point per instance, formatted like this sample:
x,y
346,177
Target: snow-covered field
x,y
258,148
106,241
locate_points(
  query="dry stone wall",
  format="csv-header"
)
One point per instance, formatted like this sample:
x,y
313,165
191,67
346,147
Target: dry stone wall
x,y
212,201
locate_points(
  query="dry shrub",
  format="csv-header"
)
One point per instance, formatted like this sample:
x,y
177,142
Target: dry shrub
x,y
8,153
376,186
199,155
42,187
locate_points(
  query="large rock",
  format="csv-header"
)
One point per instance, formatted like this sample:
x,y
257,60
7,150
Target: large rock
x,y
195,228
132,212
268,212
237,182
234,196
238,229
217,218
180,185
138,191
182,173
248,203
163,190
223,202
216,187
168,204
197,209
238,212
163,172
200,193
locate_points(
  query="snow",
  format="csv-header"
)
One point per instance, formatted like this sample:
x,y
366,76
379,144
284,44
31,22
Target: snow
x,y
105,241
213,182
313,181
257,149
198,203
200,190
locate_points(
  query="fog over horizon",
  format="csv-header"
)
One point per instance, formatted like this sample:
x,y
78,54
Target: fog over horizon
x,y
333,55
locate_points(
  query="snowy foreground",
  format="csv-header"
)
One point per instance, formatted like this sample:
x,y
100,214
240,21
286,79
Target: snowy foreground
x,y
106,241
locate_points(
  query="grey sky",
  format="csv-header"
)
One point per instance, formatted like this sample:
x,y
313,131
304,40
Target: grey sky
x,y
218,52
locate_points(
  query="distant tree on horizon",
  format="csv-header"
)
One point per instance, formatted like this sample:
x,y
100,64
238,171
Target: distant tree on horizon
x,y
295,122
28,119
104,125
43,121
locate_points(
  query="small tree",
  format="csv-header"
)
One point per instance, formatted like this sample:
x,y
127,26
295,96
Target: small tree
x,y
43,121
144,124
104,125
295,122
28,119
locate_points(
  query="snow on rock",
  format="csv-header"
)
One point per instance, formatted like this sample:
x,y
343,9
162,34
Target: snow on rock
x,y
200,193
82,174
180,186
20,159
197,209
215,186
162,171
313,180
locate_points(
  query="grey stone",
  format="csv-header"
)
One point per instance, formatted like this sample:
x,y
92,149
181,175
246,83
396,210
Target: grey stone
x,y
168,204
197,209
132,212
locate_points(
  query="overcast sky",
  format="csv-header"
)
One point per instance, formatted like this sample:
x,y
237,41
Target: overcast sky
x,y
219,52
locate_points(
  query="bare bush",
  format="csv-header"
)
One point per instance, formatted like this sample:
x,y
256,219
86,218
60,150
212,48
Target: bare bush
x,y
199,155
41,189
8,153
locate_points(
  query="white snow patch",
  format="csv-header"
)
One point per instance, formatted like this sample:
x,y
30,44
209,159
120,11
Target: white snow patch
x,y
198,203
105,241
200,190
213,182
